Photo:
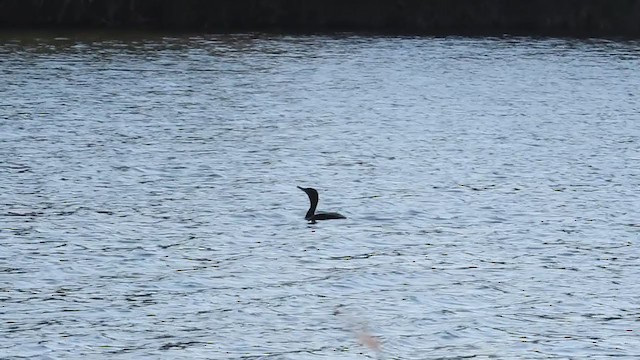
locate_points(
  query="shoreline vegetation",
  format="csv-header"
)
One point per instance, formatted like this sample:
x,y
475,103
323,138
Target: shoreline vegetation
x,y
573,18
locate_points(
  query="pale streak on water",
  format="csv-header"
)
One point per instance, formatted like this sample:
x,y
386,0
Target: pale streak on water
x,y
149,206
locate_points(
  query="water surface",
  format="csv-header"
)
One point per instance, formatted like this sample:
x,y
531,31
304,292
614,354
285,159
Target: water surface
x,y
149,209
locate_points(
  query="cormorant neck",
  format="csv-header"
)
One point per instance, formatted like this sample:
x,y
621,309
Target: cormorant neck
x,y
313,204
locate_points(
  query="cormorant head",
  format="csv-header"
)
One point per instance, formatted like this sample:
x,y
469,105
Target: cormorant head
x,y
311,192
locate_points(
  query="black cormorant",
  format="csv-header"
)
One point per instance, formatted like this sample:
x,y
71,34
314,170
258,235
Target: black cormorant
x,y
314,216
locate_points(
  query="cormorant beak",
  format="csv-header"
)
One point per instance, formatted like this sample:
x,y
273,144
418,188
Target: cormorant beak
x,y
301,188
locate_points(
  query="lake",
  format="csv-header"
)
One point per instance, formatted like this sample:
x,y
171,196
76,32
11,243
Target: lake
x,y
149,209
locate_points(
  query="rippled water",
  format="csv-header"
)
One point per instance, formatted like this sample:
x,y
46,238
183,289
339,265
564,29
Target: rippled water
x,y
149,206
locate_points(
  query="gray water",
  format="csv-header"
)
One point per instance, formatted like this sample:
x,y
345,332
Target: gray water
x,y
149,209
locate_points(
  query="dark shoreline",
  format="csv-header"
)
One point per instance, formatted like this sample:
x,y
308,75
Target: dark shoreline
x,y
571,18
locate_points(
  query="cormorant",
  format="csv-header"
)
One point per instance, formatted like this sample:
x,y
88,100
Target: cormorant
x,y
312,216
